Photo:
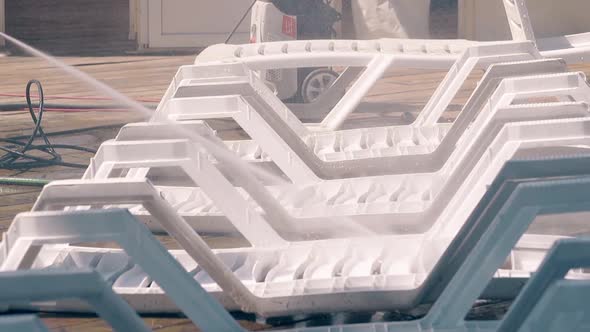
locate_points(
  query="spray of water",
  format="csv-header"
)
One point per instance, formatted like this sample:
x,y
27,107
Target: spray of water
x,y
214,149
343,225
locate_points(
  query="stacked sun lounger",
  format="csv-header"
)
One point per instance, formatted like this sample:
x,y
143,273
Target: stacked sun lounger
x,y
313,239
457,280
337,220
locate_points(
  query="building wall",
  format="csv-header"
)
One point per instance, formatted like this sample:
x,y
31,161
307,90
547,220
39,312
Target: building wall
x,y
71,26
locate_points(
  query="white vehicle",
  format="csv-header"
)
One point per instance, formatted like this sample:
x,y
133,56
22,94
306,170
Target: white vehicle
x,y
280,20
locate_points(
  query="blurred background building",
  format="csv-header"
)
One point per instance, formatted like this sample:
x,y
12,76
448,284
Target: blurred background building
x,y
96,27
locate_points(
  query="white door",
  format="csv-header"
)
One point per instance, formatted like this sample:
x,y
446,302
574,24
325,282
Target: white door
x,y
192,23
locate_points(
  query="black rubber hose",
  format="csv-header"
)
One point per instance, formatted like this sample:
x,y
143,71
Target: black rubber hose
x,y
17,155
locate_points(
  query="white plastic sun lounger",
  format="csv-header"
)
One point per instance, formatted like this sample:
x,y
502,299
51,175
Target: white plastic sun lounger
x,y
428,117
23,243
547,297
411,211
481,57
498,231
565,85
415,53
389,152
367,200
256,228
377,66
383,140
376,57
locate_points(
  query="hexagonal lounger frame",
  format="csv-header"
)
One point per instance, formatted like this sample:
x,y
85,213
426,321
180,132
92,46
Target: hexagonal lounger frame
x,y
276,211
577,165
31,231
480,57
335,53
491,233
252,109
534,309
272,110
